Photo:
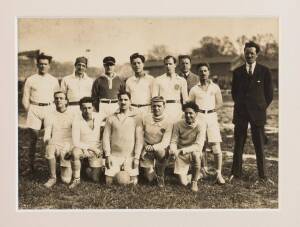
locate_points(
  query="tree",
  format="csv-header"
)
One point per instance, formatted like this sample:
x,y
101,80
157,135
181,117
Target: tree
x,y
158,52
213,47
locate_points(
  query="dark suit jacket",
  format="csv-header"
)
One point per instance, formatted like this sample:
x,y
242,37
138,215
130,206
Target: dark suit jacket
x,y
251,94
191,80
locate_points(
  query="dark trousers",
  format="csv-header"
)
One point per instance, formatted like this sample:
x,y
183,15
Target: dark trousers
x,y
240,135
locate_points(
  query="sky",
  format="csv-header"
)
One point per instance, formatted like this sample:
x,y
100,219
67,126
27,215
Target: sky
x,y
67,38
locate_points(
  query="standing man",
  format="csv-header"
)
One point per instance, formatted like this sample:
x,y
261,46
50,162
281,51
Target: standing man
x,y
187,141
105,88
207,95
173,88
122,141
157,135
58,139
87,142
78,84
139,85
37,100
252,93
185,71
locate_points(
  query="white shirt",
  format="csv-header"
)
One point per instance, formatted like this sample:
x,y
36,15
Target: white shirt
x,y
58,127
140,89
252,67
76,87
85,137
170,87
206,100
40,89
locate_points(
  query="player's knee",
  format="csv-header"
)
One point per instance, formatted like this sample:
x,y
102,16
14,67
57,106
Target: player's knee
x,y
216,147
182,179
76,153
50,151
149,174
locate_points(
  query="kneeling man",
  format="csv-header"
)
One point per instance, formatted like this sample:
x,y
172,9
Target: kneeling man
x,y
58,139
187,141
157,130
87,141
122,140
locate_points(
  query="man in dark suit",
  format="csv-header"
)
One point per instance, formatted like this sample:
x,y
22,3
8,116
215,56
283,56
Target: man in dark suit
x,y
185,71
252,93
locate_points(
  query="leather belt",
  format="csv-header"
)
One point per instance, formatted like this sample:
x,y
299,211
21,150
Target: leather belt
x,y
73,103
39,103
172,101
140,105
207,111
108,101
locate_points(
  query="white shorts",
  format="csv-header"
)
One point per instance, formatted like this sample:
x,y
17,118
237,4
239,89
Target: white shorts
x,y
94,161
212,126
174,112
107,109
183,162
59,150
117,163
36,115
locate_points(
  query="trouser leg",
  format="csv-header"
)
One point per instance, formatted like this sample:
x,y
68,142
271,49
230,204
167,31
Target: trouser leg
x,y
240,135
258,141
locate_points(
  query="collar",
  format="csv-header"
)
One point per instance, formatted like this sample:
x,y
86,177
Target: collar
x,y
110,77
138,78
209,82
84,76
186,75
190,126
174,75
130,113
253,66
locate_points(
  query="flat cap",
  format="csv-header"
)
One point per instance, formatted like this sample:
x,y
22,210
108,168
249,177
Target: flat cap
x,y
158,99
109,60
83,60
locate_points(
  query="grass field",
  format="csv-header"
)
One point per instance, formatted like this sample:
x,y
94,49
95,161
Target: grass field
x,y
88,195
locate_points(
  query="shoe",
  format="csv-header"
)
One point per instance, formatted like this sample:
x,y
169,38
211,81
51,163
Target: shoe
x,y
264,182
75,182
232,178
194,186
220,179
50,183
160,181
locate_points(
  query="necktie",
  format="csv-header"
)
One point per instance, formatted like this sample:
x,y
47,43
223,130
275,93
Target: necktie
x,y
250,70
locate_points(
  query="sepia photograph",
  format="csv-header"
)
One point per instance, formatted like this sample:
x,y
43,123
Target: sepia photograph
x,y
148,113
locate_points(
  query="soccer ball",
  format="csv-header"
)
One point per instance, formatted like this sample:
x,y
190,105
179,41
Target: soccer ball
x,y
122,178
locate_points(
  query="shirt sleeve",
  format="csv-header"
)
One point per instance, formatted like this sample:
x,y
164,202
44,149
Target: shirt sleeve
x,y
64,86
106,137
184,91
197,146
48,128
139,139
192,96
155,87
76,135
165,142
56,85
26,94
174,138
